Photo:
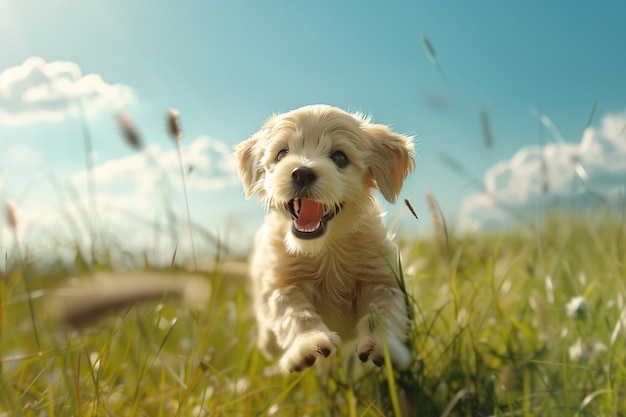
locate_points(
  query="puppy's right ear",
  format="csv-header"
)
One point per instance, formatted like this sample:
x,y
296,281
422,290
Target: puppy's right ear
x,y
248,154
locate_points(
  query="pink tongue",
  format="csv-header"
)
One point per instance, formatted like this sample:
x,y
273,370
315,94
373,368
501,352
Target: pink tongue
x,y
311,212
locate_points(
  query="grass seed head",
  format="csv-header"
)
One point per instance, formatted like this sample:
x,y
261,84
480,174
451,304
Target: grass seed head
x,y
129,132
174,128
10,215
410,207
429,49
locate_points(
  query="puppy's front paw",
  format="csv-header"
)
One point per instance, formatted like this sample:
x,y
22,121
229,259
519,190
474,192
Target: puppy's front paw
x,y
306,349
370,349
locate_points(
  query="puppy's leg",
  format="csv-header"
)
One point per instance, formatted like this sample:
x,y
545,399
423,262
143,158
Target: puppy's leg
x,y
299,329
266,339
385,312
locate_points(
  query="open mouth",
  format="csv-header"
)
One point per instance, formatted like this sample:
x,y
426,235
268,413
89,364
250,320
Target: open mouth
x,y
310,217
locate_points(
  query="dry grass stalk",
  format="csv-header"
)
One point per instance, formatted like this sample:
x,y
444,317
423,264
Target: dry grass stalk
x,y
173,124
176,132
83,304
10,215
129,132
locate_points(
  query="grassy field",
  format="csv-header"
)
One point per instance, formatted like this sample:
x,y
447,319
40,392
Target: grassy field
x,y
523,323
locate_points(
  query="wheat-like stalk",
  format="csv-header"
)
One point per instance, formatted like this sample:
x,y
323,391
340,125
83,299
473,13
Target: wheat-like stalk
x,y
173,124
175,130
129,132
10,215
94,232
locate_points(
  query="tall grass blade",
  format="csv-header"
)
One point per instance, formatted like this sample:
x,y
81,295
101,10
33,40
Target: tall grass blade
x,y
453,402
592,114
91,182
439,225
12,219
173,260
175,131
391,382
283,393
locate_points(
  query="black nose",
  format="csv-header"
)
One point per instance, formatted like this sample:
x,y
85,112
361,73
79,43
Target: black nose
x,y
303,176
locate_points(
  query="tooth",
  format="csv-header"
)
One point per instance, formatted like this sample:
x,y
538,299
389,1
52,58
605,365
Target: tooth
x,y
296,205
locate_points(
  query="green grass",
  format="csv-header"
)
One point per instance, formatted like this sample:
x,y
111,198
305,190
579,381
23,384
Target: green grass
x,y
491,336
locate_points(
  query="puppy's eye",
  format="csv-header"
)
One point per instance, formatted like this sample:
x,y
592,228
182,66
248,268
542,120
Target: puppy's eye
x,y
339,158
281,154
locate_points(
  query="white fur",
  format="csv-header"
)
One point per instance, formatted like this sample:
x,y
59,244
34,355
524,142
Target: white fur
x,y
309,294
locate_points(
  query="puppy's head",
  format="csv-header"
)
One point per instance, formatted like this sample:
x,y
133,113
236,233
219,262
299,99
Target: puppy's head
x,y
318,167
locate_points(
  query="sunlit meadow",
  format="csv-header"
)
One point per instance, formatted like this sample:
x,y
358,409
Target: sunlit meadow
x,y
527,321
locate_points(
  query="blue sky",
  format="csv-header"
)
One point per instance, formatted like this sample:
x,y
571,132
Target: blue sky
x,y
227,65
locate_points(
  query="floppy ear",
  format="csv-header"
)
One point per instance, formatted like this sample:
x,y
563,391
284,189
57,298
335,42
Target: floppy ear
x,y
390,159
248,155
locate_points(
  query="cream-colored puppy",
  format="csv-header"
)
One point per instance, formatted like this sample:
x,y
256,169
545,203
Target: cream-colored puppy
x,y
322,267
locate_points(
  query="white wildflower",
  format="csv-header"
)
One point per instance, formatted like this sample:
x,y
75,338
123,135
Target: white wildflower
x,y
577,308
580,351
598,347
576,351
238,386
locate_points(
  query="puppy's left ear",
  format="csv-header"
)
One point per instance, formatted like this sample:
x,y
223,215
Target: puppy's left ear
x,y
390,160
248,154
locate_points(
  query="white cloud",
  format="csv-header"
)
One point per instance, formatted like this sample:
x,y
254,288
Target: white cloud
x,y
39,91
23,156
536,178
207,164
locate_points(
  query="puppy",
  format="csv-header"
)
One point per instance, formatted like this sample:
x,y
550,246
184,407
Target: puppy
x,y
322,268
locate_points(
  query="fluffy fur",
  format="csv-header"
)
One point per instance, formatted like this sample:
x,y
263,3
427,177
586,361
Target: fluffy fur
x,y
322,268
